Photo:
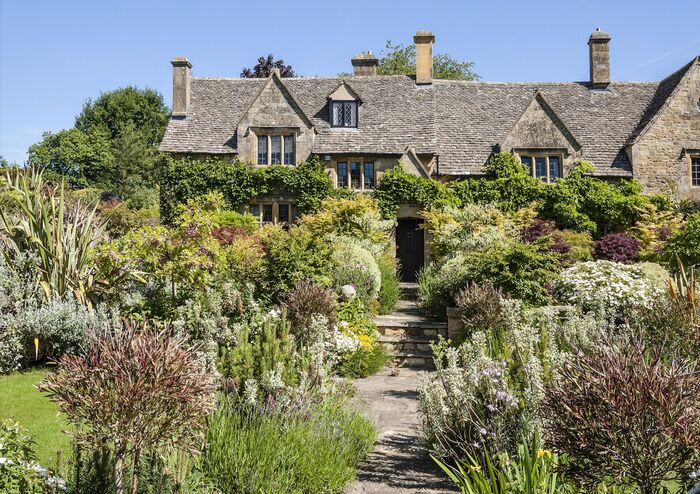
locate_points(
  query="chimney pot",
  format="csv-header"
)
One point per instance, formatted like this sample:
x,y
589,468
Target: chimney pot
x,y
424,56
364,64
181,86
599,59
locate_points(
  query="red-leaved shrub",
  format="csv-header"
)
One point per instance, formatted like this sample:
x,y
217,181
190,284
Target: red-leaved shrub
x,y
625,414
618,247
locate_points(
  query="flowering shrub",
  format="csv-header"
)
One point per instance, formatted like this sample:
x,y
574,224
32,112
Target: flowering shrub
x,y
19,471
614,288
618,247
306,301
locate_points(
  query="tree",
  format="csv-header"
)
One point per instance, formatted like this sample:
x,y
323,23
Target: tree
x,y
3,162
401,60
265,66
113,144
135,390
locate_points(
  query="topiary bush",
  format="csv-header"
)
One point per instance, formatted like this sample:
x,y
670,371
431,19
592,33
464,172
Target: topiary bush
x,y
618,247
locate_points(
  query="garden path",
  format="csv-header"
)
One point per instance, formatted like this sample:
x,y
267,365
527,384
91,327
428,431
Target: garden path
x,y
399,463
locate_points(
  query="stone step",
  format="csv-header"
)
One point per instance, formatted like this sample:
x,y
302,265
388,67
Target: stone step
x,y
414,360
409,291
399,345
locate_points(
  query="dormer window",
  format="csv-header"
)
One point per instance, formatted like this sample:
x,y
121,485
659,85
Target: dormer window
x,y
344,113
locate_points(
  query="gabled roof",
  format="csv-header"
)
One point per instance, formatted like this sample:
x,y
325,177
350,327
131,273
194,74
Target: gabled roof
x,y
664,93
461,122
344,92
278,82
538,99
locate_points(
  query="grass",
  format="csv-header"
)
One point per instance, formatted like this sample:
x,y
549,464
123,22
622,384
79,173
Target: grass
x,y
23,403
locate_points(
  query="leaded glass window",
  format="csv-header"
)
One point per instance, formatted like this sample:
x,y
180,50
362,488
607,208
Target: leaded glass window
x,y
368,175
283,213
267,216
541,167
275,150
262,150
554,168
289,150
344,113
342,175
355,175
695,171
546,168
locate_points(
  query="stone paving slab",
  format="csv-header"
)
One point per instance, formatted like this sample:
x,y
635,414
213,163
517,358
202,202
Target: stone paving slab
x,y
399,463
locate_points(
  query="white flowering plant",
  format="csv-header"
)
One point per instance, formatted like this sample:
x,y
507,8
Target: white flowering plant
x,y
611,288
20,473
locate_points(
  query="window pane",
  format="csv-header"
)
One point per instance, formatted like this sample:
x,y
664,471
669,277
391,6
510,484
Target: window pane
x,y
541,167
355,175
283,213
695,166
350,114
255,210
275,150
342,175
262,150
288,150
295,212
337,117
267,213
554,168
369,175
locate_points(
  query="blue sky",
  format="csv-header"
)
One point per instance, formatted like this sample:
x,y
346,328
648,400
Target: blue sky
x,y
55,55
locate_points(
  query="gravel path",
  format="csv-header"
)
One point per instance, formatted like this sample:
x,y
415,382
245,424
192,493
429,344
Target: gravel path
x,y
399,463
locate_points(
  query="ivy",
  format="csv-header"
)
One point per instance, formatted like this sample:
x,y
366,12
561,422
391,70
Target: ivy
x,y
188,178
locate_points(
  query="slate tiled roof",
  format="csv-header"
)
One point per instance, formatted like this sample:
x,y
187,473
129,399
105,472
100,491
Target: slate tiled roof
x,y
461,122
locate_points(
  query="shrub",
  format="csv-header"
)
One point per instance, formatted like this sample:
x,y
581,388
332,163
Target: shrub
x,y
366,360
316,450
306,301
135,389
684,244
481,308
624,414
19,471
62,238
520,270
352,264
580,245
654,228
618,247
536,230
243,263
616,289
390,290
290,256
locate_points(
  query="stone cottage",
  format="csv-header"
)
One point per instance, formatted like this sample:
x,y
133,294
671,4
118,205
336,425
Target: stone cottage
x,y
361,125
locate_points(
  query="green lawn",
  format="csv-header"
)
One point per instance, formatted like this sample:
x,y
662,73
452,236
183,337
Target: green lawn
x,y
22,402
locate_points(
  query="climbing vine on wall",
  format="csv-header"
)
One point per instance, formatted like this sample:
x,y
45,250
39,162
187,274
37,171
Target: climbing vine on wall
x,y
187,178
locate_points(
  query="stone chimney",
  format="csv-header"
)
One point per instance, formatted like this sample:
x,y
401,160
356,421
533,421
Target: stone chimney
x,y
424,56
181,86
365,64
599,59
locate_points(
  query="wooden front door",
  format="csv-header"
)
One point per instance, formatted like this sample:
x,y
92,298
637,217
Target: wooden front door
x,y
410,248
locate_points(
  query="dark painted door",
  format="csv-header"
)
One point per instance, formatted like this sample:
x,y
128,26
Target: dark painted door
x,y
410,248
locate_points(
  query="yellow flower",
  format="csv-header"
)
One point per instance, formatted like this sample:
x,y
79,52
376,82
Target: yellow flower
x,y
365,341
475,468
544,453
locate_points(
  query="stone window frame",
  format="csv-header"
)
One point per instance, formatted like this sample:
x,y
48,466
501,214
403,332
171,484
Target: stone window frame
x,y
282,133
361,162
694,161
543,153
343,101
257,208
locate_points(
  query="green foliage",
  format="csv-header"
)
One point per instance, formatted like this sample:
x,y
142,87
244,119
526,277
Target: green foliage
x,y
315,451
63,238
399,187
290,256
364,361
254,356
390,291
113,144
401,60
581,245
19,472
520,270
532,471
354,265
355,315
187,178
684,245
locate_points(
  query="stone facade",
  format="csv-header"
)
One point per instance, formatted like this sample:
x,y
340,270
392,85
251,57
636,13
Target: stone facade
x,y
661,156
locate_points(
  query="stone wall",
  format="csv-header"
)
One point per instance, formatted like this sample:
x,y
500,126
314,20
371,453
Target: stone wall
x,y
274,112
658,158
